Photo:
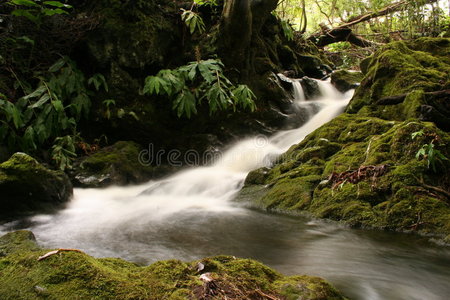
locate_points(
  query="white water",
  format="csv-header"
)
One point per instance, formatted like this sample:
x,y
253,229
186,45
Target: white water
x,y
207,189
189,215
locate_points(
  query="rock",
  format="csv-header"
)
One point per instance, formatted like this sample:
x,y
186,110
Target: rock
x,y
403,77
404,197
344,80
310,88
26,187
21,240
75,273
120,164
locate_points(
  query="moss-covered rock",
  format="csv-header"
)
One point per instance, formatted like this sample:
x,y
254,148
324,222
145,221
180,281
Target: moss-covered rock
x,y
26,186
405,197
122,163
344,80
406,80
72,274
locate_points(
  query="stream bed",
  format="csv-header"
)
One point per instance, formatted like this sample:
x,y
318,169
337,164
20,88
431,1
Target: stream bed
x,y
191,214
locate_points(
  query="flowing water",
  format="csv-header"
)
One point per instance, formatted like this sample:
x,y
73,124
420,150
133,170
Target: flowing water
x,y
190,215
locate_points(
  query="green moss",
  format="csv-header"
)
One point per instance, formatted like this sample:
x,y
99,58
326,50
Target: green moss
x,y
17,241
298,181
75,275
290,194
402,68
116,164
27,186
344,80
303,287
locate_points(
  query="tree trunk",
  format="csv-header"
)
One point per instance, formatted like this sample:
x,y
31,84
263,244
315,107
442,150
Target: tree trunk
x,y
242,21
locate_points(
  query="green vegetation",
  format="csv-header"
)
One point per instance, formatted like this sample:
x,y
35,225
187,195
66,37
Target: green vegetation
x,y
70,274
428,151
35,10
193,21
50,111
199,81
402,198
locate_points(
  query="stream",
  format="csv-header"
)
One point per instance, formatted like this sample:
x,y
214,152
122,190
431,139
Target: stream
x,y
190,215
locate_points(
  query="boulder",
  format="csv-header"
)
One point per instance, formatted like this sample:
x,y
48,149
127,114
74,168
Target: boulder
x,y
365,172
31,273
379,165
344,80
406,80
122,163
26,187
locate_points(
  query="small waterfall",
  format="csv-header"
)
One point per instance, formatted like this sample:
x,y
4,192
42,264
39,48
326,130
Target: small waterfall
x,y
96,213
299,95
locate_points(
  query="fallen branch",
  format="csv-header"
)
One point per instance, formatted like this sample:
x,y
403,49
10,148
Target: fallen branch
x,y
343,31
48,254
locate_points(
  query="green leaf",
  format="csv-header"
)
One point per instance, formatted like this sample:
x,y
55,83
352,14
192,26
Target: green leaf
x,y
420,153
98,80
25,3
206,72
417,133
109,102
41,101
57,65
244,97
26,40
29,138
37,92
52,12
17,118
184,104
133,114
25,13
57,104
57,4
153,85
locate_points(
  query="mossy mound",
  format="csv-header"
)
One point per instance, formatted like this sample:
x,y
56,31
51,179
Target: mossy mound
x,y
26,186
406,80
344,80
71,274
407,195
120,164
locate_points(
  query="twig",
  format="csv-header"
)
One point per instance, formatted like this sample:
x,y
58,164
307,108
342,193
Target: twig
x,y
48,254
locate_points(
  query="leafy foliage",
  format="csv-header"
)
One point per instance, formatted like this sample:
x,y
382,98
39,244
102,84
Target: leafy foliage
x,y
35,10
288,31
429,151
197,82
193,21
418,17
63,151
51,110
